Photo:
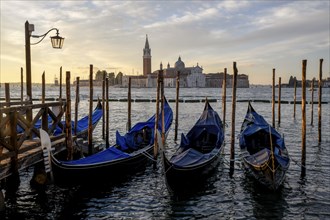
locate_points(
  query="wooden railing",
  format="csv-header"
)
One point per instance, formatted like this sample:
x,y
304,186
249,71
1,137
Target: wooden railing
x,y
15,129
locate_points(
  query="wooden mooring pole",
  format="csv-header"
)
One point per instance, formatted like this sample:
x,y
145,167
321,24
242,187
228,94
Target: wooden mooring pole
x,y
103,106
60,84
43,88
129,104
22,86
319,109
312,102
157,118
279,102
13,179
68,127
273,100
90,122
162,105
224,97
44,119
177,106
232,141
7,92
76,106
107,112
294,98
303,124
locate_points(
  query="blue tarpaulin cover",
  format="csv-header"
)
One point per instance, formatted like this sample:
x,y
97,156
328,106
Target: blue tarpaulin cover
x,y
254,123
209,124
128,140
257,123
82,124
106,155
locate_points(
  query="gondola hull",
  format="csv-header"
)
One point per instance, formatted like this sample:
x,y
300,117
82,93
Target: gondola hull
x,y
264,174
182,178
109,170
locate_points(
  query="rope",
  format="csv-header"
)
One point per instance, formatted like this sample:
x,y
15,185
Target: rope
x,y
149,156
271,169
297,163
272,152
168,169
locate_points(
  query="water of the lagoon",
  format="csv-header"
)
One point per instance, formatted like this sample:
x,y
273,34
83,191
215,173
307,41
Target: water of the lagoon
x,y
145,196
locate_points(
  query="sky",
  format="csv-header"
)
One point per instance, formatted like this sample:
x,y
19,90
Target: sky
x,y
110,35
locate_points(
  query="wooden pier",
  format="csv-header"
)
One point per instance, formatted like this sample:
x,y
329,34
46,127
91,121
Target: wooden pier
x,y
20,139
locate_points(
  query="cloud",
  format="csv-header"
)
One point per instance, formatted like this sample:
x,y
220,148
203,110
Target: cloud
x,y
233,5
212,33
185,18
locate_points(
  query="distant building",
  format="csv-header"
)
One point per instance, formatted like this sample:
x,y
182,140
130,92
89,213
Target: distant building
x,y
326,83
191,77
216,80
292,80
146,58
136,81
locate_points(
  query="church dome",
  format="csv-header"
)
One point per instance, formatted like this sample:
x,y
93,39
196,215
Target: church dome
x,y
179,64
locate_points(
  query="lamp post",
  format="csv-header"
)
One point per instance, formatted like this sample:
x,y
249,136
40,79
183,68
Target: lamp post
x,y
57,43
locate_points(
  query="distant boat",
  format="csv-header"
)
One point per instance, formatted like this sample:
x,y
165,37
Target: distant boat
x,y
263,150
56,81
198,154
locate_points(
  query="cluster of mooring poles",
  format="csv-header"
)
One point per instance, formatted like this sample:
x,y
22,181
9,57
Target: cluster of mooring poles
x,y
303,107
9,123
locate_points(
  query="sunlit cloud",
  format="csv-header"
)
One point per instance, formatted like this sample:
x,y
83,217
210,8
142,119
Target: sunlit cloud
x,y
258,34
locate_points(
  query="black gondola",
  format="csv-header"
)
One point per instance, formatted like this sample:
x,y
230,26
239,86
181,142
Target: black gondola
x,y
130,153
198,154
263,151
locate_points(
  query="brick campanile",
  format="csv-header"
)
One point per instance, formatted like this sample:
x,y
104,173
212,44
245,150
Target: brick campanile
x,y
146,58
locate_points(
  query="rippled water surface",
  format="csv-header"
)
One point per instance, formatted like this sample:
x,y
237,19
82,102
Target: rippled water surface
x,y
145,196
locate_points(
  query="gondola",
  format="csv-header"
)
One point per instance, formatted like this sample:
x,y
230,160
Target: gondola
x,y
263,152
198,154
82,124
130,153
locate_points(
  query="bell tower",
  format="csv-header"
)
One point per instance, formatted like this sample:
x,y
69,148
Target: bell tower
x,y
146,58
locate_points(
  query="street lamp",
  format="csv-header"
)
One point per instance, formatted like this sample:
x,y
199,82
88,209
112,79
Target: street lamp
x,y
57,43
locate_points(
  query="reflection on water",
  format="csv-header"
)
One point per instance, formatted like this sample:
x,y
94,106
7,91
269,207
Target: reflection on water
x,y
145,196
266,203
